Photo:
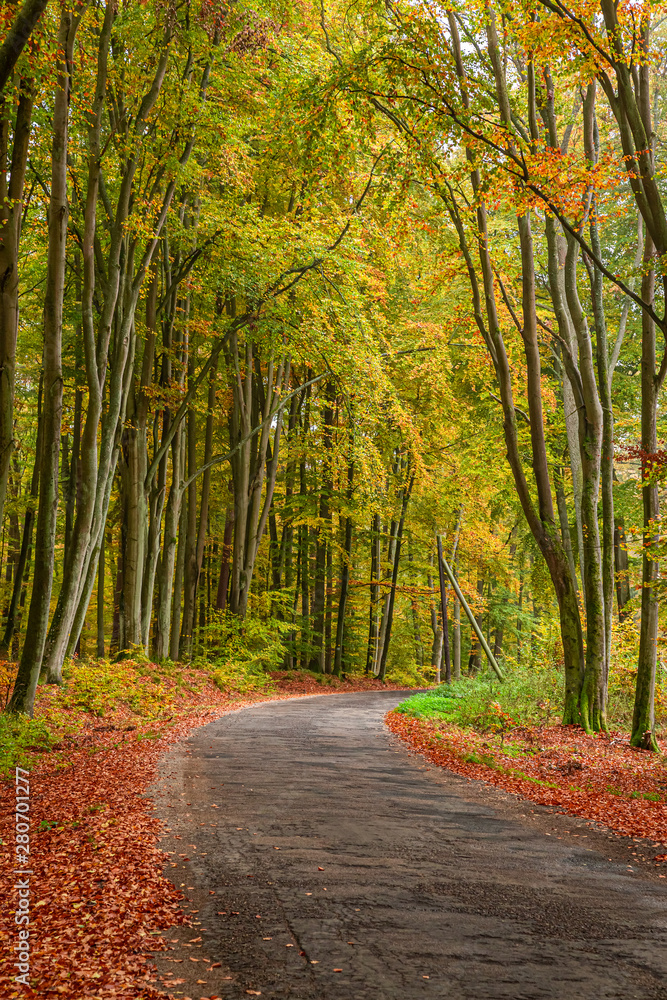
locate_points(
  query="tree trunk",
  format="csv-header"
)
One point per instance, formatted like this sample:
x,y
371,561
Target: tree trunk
x,y
621,567
223,579
457,631
322,537
23,696
100,604
344,576
643,719
11,629
175,633
371,652
12,180
172,516
443,615
407,490
190,568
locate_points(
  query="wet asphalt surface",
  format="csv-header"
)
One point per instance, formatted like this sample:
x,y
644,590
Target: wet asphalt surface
x,y
322,860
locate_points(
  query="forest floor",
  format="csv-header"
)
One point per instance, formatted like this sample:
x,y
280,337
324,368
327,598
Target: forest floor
x,y
98,898
599,777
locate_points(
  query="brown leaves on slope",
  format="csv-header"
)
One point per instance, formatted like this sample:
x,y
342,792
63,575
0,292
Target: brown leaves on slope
x,y
598,777
97,891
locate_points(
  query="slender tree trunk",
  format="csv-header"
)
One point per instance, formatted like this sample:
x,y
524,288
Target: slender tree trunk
x,y
175,634
223,579
344,576
643,720
443,615
190,569
457,631
18,589
371,652
322,537
100,604
23,696
172,516
12,181
621,567
407,490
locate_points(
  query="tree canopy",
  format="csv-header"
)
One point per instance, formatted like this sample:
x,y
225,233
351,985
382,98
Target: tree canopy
x,y
290,292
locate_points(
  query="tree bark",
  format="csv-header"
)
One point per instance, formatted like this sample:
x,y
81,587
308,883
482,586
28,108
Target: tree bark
x,y
23,696
344,576
407,490
12,181
643,719
371,652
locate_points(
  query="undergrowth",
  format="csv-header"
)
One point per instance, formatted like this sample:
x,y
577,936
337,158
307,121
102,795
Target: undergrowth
x,y
527,697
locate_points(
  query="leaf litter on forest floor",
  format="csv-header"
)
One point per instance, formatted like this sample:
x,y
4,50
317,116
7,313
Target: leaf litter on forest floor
x,y
599,777
99,899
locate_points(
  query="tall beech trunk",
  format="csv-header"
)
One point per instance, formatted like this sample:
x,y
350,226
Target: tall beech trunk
x,y
383,609
175,631
225,561
172,517
456,632
643,719
443,615
100,604
407,490
127,264
593,691
622,572
371,651
253,478
23,696
436,645
203,527
540,517
606,460
190,568
322,538
11,628
12,180
344,575
304,560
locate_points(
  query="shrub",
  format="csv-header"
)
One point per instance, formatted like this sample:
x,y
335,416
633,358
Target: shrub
x,y
20,738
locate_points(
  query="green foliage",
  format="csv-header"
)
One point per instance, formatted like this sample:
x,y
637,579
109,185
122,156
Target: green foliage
x,y
407,675
20,739
482,703
100,686
239,653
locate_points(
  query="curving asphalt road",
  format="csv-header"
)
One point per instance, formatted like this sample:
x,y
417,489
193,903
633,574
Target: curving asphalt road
x,y
324,861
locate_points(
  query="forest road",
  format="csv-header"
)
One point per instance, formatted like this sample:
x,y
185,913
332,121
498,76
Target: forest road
x,y
325,861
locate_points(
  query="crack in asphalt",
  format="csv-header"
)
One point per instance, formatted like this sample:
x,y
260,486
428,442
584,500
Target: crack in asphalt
x,y
393,881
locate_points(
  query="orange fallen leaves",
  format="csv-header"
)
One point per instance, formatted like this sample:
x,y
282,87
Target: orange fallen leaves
x,y
600,777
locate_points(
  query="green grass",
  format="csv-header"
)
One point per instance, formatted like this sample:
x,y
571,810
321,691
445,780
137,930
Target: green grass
x,y
485,704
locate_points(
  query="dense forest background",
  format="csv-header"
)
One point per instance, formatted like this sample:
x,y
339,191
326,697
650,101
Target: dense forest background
x,y
287,292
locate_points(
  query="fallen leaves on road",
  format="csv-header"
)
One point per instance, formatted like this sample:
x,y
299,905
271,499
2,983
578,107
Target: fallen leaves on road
x,y
599,777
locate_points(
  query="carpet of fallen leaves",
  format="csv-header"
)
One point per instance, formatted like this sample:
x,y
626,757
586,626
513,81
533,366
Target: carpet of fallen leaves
x,y
600,777
99,900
